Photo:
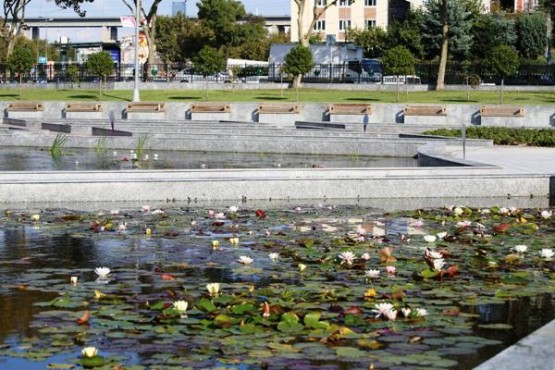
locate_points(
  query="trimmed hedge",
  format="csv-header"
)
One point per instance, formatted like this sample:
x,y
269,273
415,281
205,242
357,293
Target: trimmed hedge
x,y
544,137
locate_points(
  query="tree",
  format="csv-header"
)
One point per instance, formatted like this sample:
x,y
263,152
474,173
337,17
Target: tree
x,y
407,33
317,13
532,35
298,61
20,61
446,27
502,61
398,61
222,16
207,62
492,30
148,25
13,21
372,40
100,64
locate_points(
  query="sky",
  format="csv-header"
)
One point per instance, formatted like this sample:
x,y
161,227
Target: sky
x,y
113,8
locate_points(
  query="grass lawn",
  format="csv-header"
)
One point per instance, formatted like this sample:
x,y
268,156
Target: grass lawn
x,y
305,96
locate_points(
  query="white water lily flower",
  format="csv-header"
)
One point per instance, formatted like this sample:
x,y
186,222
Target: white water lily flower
x,y
458,211
546,214
102,272
158,212
145,208
385,310
421,312
547,253
442,234
213,289
430,238
520,248
245,260
273,256
503,211
365,256
347,257
302,267
220,215
438,263
485,211
89,351
406,311
181,306
433,254
233,209
372,274
464,223
73,280
114,212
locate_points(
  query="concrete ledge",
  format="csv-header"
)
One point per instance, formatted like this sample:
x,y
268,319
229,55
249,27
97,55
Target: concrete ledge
x,y
535,352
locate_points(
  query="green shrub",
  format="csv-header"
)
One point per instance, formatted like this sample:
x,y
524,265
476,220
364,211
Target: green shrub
x,y
544,137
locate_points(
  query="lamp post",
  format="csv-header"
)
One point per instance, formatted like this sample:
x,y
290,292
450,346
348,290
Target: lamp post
x,y
136,95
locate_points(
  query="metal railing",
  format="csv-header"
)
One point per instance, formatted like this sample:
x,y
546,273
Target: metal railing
x,y
456,73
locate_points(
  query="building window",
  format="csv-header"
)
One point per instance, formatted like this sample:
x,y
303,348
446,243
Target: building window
x,y
370,23
344,3
370,2
344,24
320,25
322,3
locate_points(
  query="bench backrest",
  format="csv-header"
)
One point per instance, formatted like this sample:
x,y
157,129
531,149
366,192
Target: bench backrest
x,y
25,106
146,107
83,107
279,108
210,108
350,109
487,111
425,110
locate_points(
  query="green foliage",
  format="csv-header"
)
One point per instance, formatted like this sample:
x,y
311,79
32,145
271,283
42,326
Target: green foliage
x,y
100,64
503,135
372,40
222,17
532,35
502,61
298,61
20,61
407,34
458,19
73,72
398,61
490,30
169,33
209,61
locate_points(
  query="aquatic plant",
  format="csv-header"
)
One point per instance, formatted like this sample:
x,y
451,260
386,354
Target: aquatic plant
x,y
57,147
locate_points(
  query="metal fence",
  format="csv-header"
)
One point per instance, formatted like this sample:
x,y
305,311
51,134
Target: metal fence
x,y
456,73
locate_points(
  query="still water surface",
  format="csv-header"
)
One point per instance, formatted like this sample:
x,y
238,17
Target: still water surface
x,y
39,159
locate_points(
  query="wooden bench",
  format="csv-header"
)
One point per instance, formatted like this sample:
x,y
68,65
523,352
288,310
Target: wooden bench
x,y
25,106
83,107
210,108
350,109
279,108
425,110
495,111
146,107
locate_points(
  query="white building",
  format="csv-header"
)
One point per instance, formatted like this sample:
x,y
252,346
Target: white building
x,y
348,14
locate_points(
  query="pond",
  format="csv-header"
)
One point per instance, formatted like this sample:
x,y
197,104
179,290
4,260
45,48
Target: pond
x,y
302,287
40,159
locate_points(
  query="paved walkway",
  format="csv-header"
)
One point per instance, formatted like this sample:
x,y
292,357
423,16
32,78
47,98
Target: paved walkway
x,y
513,160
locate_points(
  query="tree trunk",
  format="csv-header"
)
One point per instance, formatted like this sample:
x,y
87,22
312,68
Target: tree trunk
x,y
440,84
501,94
297,81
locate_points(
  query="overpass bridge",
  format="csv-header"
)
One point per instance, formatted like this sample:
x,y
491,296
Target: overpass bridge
x,y
110,25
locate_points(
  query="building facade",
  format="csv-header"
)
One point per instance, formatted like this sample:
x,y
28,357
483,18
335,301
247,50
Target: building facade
x,y
336,22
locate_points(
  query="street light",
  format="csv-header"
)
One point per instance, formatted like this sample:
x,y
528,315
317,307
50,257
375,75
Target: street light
x,y
136,95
